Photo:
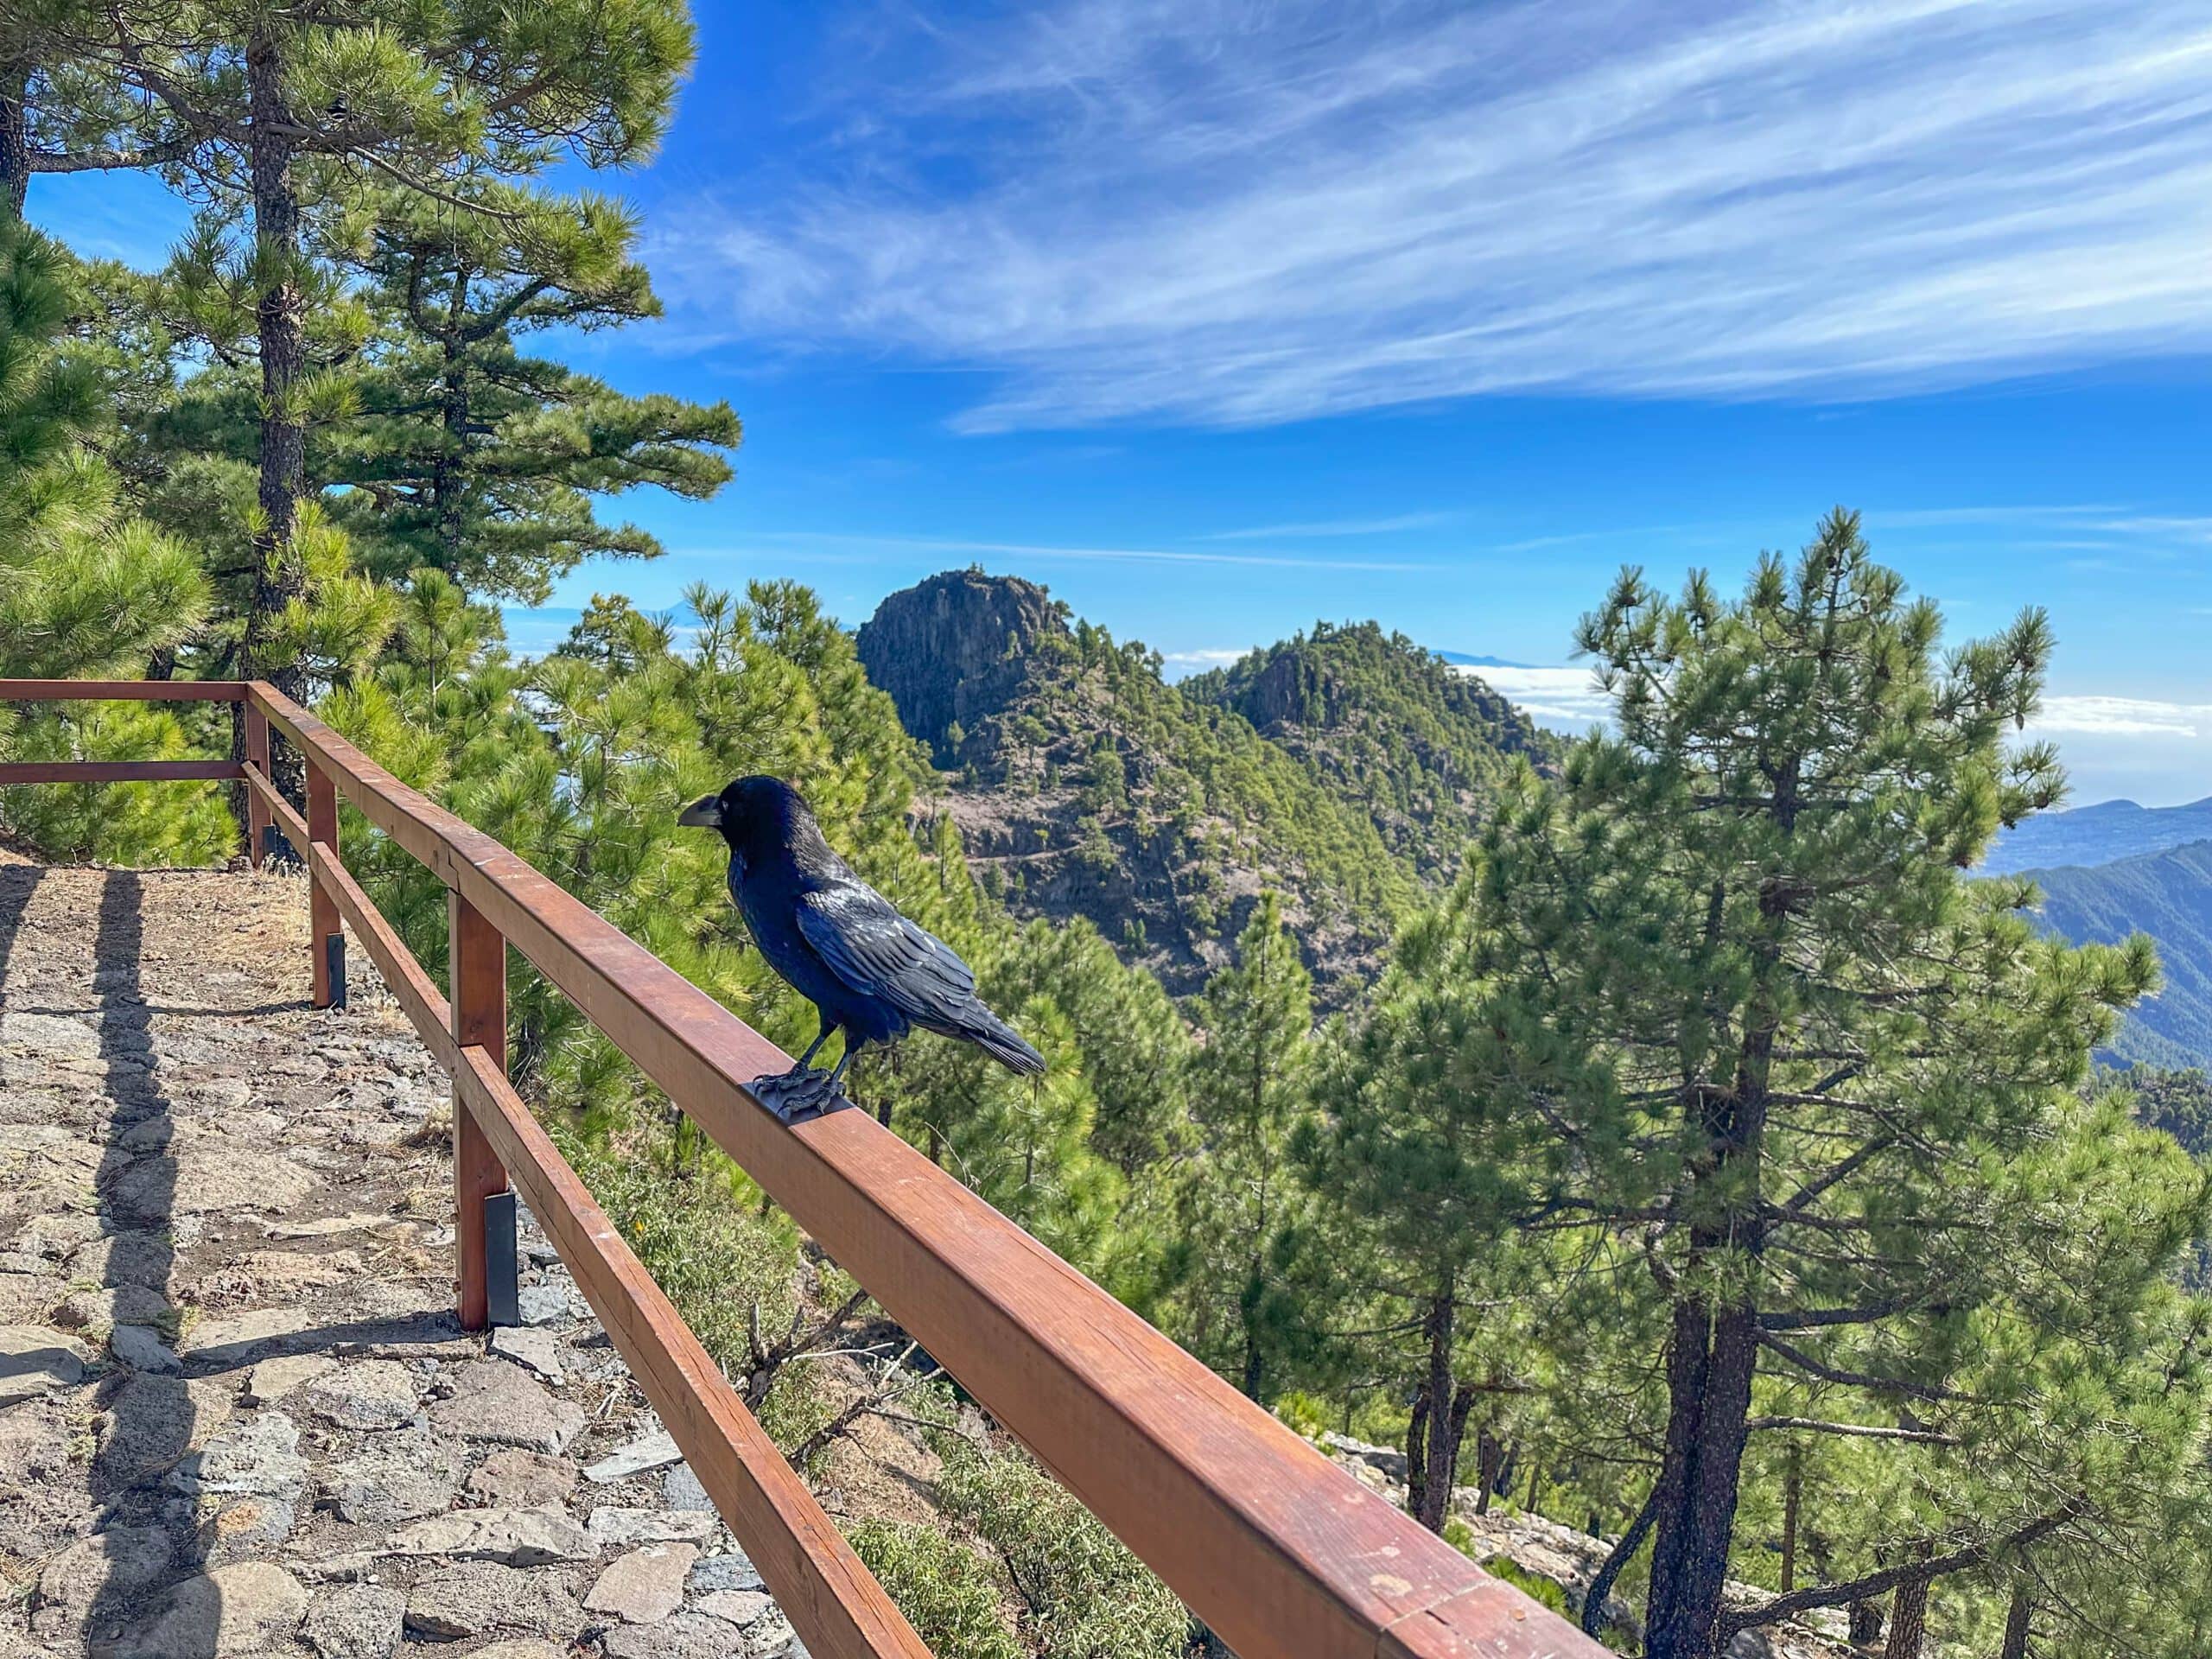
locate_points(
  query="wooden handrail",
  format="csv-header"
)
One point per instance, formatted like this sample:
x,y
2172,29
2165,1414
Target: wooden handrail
x,y
1282,1553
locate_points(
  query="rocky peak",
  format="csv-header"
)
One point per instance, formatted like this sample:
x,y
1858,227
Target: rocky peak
x,y
952,650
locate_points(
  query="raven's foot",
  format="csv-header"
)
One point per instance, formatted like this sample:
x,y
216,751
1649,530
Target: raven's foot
x,y
797,1095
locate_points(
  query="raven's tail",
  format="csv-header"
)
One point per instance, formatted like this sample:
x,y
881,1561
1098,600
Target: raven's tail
x,y
1001,1042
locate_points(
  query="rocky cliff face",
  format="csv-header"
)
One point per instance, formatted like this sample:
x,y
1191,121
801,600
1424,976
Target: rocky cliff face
x,y
955,649
1083,785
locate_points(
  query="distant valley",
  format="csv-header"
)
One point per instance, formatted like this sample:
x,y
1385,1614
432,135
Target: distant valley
x,y
2097,835
2115,869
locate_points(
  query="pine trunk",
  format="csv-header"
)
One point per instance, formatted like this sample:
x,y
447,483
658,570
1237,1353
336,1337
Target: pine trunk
x,y
1439,1421
1792,1493
281,316
1490,1452
1865,1622
1908,1620
445,482
1623,1552
15,135
1709,1366
2015,1625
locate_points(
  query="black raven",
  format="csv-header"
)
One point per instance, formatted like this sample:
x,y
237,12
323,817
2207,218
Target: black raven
x,y
839,942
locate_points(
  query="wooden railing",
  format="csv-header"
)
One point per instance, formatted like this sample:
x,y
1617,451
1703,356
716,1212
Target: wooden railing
x,y
1280,1552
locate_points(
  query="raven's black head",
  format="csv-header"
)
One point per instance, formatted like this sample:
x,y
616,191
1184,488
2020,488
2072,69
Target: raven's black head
x,y
754,811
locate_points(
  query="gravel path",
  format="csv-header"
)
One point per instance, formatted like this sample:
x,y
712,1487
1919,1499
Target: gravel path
x,y
236,1415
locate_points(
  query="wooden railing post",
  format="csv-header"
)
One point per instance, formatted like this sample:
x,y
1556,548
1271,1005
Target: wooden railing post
x,y
327,932
256,756
477,967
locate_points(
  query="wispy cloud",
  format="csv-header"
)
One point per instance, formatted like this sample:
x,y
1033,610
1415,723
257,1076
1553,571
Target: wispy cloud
x,y
1217,658
1203,211
1048,551
2106,717
1332,527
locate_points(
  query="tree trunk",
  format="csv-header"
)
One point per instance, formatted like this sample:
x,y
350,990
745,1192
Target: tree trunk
x,y
445,484
1490,1452
1710,1360
1908,1620
281,316
15,135
1616,1562
1439,1421
2015,1625
1792,1491
1866,1626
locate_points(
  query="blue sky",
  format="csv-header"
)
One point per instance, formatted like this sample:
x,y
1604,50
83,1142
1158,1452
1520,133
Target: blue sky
x,y
1219,316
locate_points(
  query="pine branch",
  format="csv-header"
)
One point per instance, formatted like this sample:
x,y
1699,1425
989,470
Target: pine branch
x,y
1855,1431
1730,1624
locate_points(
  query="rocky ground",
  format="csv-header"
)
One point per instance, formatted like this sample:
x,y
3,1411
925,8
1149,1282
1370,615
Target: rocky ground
x,y
236,1414
1542,1549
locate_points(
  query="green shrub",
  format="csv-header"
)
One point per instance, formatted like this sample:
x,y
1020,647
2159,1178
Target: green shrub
x,y
1087,1597
949,1593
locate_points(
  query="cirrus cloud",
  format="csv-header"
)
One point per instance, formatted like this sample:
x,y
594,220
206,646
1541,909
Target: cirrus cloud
x,y
1203,212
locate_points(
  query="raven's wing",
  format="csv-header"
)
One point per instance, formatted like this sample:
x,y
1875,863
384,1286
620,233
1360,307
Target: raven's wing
x,y
875,949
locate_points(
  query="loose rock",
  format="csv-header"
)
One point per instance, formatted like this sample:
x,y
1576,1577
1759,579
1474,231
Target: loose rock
x,y
245,1608
355,1621
143,1349
617,1528
646,1585
648,1451
538,1350
272,1379
374,1393
680,1636
479,1596
523,1480
496,1402
516,1537
34,1358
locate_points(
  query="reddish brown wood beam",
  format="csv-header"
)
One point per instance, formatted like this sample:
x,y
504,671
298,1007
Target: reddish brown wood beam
x,y
117,772
1278,1550
476,969
838,1609
282,812
323,927
257,758
121,691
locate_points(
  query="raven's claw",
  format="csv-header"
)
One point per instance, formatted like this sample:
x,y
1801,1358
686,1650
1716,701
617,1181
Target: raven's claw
x,y
797,1095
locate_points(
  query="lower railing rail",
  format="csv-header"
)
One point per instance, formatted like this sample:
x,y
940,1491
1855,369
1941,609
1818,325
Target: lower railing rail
x,y
1280,1552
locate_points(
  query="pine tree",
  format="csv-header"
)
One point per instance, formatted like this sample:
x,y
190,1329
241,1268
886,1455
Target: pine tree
x,y
85,588
467,455
1726,1000
276,115
1249,1085
1432,1294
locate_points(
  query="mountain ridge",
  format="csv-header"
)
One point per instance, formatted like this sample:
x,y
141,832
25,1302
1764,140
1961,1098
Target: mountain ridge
x,y
2099,833
1083,784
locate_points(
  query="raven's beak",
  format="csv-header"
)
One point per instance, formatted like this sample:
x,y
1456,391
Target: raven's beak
x,y
705,813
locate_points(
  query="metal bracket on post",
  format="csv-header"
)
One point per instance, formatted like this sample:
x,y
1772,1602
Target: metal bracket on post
x,y
502,1297
336,945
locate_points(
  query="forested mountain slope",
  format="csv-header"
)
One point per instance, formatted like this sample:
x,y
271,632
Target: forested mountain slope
x,y
1389,723
2096,835
2167,895
1085,784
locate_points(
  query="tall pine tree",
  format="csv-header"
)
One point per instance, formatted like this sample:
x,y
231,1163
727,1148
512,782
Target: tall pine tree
x,y
1727,999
